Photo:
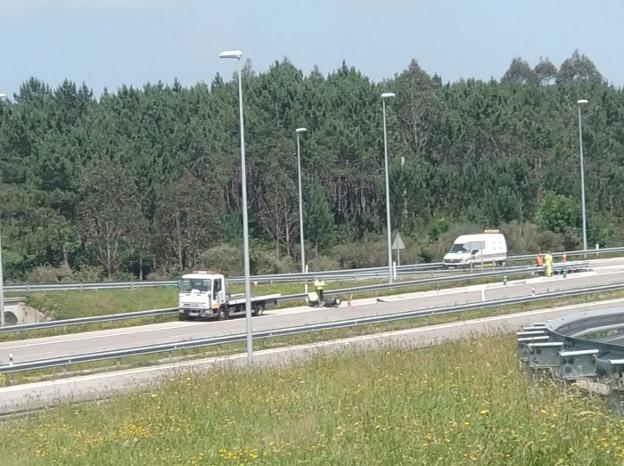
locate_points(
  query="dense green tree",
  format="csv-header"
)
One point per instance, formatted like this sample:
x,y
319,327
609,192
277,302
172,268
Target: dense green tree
x,y
186,222
557,213
109,214
319,223
578,68
519,72
545,71
149,178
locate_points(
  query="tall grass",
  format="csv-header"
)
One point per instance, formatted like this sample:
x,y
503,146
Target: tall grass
x,y
455,404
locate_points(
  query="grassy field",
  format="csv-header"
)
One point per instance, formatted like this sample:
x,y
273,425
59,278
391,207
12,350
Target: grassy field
x,y
455,404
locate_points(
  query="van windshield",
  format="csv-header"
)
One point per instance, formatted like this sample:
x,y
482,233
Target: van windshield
x,y
188,284
458,248
468,247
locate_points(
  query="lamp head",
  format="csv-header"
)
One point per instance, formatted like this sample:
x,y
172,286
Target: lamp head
x,y
582,101
301,130
387,95
231,54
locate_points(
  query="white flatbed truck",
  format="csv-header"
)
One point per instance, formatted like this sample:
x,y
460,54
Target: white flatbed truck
x,y
204,294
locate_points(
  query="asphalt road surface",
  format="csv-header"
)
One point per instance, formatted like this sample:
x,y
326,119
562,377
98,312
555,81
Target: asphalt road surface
x,y
606,271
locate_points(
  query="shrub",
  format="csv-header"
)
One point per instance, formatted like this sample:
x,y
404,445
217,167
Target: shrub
x,y
49,274
369,252
320,263
263,262
225,259
89,274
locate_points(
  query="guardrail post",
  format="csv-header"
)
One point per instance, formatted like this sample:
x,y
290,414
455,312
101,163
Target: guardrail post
x,y
615,398
545,355
523,342
505,280
615,369
578,364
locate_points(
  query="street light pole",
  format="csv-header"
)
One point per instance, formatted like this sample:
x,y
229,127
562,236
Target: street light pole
x,y
299,131
237,54
579,103
385,96
1,286
2,322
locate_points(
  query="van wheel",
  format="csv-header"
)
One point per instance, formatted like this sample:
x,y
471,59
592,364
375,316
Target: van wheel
x,y
258,309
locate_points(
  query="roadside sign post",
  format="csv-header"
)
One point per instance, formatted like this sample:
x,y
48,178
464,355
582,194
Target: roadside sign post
x,y
398,244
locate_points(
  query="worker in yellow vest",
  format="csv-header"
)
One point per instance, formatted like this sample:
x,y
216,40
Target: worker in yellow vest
x,y
548,263
319,286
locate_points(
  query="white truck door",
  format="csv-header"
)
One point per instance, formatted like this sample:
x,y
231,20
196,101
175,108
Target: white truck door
x,y
219,291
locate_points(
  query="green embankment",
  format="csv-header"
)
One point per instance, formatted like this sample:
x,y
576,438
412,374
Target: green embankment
x,y
455,404
70,304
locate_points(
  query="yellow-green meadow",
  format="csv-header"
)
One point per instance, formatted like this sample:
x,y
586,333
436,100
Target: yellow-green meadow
x,y
454,404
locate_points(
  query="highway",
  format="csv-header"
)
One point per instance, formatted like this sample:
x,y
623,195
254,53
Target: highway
x,y
606,271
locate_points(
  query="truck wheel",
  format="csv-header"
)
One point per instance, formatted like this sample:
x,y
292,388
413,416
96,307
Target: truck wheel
x,y
224,314
258,309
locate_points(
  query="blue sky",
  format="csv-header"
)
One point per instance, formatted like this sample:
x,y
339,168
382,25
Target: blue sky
x,y
107,43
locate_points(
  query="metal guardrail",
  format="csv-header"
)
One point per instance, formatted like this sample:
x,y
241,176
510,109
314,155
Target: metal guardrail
x,y
289,331
88,320
576,348
87,286
579,252
360,273
571,266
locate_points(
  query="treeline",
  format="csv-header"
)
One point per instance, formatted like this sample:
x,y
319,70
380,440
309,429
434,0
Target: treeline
x,y
147,181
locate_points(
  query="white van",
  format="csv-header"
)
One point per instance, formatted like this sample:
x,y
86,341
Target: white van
x,y
468,250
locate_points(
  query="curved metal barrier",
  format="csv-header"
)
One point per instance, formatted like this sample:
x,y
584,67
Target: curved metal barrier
x,y
586,348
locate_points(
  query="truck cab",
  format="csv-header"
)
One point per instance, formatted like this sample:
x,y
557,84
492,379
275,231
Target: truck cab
x,y
202,294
